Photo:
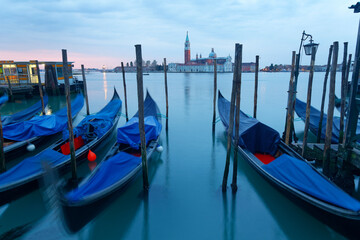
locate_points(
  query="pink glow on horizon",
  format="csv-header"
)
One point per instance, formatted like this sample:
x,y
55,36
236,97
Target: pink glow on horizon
x,y
89,61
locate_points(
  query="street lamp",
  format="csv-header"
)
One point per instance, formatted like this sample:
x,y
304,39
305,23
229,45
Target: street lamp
x,y
308,47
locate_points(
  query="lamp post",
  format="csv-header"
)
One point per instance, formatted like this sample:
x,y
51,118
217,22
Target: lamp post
x,y
308,48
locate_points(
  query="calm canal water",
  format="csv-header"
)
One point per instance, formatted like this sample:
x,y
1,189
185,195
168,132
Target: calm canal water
x,y
185,200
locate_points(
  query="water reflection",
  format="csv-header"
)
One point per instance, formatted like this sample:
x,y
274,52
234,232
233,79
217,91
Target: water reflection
x,y
20,214
105,85
125,207
187,92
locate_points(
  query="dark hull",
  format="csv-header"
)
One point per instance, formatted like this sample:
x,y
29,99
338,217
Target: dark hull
x,y
26,187
20,148
348,225
77,216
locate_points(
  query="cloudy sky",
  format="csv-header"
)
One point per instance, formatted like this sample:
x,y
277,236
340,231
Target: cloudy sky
x,y
97,33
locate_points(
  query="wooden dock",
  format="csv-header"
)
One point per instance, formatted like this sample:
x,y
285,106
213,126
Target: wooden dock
x,y
315,151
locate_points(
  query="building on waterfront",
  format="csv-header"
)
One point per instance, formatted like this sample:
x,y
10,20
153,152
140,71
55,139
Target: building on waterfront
x,y
206,64
25,73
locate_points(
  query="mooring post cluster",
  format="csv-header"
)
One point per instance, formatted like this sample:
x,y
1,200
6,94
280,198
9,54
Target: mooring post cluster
x,y
235,96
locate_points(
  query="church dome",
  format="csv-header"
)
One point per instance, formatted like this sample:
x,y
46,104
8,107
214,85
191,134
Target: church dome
x,y
212,54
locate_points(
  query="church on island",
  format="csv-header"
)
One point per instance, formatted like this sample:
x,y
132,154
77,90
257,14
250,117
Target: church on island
x,y
200,64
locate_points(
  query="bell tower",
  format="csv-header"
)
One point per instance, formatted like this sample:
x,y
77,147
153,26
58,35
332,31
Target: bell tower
x,y
187,49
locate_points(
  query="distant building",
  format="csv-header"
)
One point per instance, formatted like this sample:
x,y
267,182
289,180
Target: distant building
x,y
200,64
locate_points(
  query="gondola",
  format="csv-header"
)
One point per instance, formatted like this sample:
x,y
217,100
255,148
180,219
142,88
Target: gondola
x,y
286,170
300,109
120,166
25,114
19,135
3,99
90,132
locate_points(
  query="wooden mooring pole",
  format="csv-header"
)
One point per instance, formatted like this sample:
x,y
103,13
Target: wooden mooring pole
x,y
2,154
215,89
231,120
329,165
343,92
140,90
124,83
289,116
237,118
166,96
256,84
308,101
85,89
40,87
318,138
10,88
70,126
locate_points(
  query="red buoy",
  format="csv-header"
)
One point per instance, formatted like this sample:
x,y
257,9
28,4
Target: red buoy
x,y
91,156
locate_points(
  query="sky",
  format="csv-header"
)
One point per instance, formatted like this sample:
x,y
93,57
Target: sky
x,y
97,33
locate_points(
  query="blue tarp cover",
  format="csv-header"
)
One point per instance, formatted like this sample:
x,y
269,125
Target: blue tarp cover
x,y
32,165
301,176
101,121
109,172
24,114
253,135
42,125
129,133
300,109
4,98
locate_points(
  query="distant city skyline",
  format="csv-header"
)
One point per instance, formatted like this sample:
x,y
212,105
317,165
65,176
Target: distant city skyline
x,y
97,33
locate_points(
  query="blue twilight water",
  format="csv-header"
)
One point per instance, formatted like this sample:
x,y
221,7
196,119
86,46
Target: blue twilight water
x,y
185,200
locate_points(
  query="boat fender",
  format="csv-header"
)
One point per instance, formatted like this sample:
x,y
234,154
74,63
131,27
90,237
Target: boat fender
x,y
159,148
91,156
30,147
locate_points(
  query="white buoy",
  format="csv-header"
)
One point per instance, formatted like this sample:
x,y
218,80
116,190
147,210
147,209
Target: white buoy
x,y
30,147
159,148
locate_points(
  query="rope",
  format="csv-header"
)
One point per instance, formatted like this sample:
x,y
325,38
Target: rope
x,y
161,115
217,120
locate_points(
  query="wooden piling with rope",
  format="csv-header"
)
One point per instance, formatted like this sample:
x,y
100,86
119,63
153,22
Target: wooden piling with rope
x,y
85,89
40,87
308,100
324,94
70,126
140,91
237,117
289,116
215,90
329,164
343,92
2,154
256,84
166,96
124,83
231,120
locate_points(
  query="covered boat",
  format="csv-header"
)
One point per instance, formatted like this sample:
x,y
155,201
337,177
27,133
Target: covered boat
x,y
91,131
300,109
119,167
3,99
18,135
25,114
285,169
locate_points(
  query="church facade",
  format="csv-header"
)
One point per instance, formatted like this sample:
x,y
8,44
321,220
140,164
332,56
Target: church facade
x,y
200,64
